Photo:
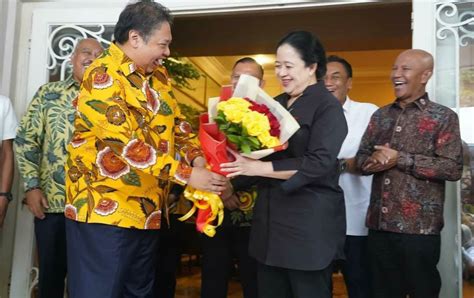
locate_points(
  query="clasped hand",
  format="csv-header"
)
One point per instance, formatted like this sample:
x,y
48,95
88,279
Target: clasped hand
x,y
382,159
203,179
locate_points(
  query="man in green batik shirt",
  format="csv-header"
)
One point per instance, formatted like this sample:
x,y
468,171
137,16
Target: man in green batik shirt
x,y
40,146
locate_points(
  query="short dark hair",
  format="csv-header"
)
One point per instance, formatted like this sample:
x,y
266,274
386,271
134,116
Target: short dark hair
x,y
143,16
309,47
347,66
249,60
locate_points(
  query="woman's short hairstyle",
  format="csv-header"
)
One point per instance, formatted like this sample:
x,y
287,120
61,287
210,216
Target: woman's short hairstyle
x,y
310,49
143,16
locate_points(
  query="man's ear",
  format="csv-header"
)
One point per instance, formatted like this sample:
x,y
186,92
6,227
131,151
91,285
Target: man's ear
x,y
425,77
313,68
349,83
134,38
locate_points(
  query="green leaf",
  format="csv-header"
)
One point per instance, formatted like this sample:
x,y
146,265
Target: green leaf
x,y
58,176
79,203
98,105
254,141
131,179
233,129
104,189
87,121
245,148
115,144
233,139
165,109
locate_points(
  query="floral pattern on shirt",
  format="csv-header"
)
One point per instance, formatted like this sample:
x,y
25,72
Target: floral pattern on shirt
x,y
129,144
409,197
42,137
242,217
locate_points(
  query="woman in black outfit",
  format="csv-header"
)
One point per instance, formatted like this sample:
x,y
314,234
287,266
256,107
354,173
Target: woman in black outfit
x,y
299,217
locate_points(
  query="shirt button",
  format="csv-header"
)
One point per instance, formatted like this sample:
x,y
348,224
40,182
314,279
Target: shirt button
x,y
384,210
398,129
422,101
387,181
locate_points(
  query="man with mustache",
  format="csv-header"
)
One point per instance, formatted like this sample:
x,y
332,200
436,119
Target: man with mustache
x,y
40,146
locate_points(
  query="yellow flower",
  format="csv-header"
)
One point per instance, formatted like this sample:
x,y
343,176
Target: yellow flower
x,y
234,108
268,141
256,123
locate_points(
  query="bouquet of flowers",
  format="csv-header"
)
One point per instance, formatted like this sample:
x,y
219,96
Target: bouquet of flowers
x,y
248,121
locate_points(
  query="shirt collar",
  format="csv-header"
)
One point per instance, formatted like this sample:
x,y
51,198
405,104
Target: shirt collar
x,y
126,64
70,82
421,103
128,67
347,104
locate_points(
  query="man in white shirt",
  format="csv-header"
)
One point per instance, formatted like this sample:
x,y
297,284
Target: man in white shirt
x,y
8,125
356,188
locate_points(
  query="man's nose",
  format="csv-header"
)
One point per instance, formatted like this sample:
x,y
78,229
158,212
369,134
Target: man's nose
x,y
167,51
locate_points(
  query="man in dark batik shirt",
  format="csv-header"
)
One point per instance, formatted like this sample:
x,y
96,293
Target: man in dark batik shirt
x,y
412,147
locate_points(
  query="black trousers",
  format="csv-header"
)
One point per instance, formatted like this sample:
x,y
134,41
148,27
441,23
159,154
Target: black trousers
x,y
169,254
110,262
217,259
355,268
276,282
50,234
404,264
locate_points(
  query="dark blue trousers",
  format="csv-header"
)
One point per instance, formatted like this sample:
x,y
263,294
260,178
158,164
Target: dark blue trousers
x,y
50,234
169,256
110,262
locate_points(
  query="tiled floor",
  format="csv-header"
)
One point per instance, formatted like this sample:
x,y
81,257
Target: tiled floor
x,y
188,285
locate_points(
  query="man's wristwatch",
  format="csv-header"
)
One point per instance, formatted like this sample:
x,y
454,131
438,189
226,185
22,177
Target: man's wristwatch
x,y
7,195
342,165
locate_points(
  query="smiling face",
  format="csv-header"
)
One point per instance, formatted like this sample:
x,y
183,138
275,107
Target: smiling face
x,y
291,71
86,51
337,81
410,73
150,54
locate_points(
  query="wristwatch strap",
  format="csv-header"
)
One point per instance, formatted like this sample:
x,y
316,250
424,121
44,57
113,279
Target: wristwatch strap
x,y
7,195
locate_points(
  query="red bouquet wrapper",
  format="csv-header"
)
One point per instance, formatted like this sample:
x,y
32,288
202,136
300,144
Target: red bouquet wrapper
x,y
213,144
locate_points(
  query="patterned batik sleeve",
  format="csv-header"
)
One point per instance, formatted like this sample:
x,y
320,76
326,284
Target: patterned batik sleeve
x,y
28,142
446,164
125,129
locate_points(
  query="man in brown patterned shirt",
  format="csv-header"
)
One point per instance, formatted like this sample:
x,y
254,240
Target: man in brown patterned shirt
x,y
412,147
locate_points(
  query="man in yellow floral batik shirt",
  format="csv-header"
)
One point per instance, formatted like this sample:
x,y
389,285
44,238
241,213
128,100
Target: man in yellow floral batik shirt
x,y
130,143
40,148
